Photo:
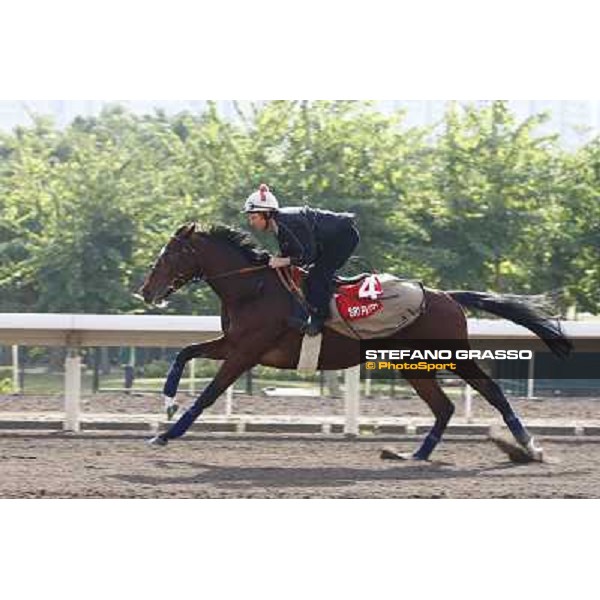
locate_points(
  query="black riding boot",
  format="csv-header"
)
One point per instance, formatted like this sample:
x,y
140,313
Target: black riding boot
x,y
320,292
319,285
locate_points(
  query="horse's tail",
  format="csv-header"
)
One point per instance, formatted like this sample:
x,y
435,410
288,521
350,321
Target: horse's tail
x,y
519,310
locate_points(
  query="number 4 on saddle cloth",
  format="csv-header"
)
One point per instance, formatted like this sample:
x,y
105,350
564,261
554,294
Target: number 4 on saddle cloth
x,y
370,305
359,300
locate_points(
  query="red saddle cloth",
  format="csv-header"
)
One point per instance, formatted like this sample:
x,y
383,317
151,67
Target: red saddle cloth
x,y
353,300
359,300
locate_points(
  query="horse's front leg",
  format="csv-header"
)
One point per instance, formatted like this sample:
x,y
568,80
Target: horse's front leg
x,y
213,349
229,371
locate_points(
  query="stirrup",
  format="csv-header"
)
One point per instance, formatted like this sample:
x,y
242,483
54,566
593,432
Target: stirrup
x,y
298,324
315,326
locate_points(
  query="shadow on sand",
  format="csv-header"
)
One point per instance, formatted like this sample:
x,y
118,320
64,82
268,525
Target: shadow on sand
x,y
298,477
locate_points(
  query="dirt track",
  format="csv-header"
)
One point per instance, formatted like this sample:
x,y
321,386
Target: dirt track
x,y
123,466
92,465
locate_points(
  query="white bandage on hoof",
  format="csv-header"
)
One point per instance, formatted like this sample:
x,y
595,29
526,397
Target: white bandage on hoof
x,y
168,401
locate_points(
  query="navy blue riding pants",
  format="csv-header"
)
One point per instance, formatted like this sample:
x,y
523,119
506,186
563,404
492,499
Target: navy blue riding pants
x,y
333,255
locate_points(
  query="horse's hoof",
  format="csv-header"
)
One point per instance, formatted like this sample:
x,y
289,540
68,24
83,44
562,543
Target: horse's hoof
x,y
171,410
518,454
158,441
536,452
391,454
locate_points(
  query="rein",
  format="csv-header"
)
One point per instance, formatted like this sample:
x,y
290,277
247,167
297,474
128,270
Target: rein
x,y
242,271
189,248
287,281
284,275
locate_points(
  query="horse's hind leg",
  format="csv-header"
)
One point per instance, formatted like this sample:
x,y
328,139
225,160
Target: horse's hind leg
x,y
491,391
430,391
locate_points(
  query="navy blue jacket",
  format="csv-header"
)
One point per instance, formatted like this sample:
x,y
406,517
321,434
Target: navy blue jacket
x,y
303,232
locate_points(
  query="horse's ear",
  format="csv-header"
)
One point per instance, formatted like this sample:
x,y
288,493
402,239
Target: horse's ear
x,y
189,229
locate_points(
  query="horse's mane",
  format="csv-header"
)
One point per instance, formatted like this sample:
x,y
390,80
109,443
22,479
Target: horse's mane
x,y
239,240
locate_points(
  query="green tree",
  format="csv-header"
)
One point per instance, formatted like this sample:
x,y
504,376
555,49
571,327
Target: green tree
x,y
495,194
482,201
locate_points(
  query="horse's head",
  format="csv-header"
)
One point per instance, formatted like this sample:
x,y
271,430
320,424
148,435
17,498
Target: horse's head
x,y
176,264
213,254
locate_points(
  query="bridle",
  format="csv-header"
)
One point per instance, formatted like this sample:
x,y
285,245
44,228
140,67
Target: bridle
x,y
188,248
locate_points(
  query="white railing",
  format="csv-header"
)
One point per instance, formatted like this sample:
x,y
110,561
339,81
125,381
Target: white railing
x,y
76,331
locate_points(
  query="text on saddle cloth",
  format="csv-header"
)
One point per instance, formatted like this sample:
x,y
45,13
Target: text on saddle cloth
x,y
359,300
378,315
402,301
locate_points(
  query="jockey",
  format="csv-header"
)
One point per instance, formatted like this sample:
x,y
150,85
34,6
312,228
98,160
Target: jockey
x,y
319,240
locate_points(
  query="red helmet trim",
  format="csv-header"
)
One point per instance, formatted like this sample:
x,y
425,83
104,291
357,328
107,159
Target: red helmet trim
x,y
263,190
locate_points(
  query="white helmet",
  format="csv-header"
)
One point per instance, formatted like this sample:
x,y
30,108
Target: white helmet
x,y
261,201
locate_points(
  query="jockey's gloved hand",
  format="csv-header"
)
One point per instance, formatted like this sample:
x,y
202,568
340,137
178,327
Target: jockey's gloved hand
x,y
263,258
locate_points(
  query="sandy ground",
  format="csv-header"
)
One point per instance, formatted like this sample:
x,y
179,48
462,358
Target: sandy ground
x,y
122,465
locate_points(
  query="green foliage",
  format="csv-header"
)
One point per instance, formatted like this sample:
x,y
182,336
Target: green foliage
x,y
495,194
154,369
481,201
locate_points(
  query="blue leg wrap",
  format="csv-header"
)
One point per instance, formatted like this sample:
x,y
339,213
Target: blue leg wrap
x,y
427,447
183,423
173,378
518,430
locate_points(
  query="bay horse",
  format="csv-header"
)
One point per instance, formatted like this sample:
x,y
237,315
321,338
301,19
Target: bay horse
x,y
255,312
